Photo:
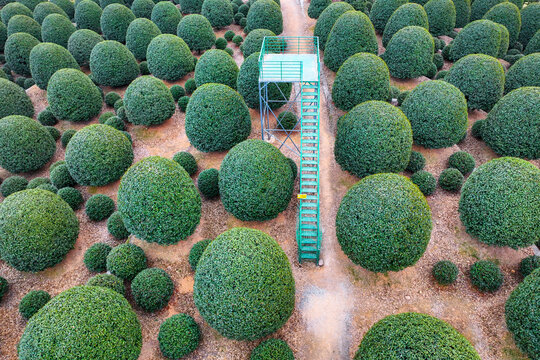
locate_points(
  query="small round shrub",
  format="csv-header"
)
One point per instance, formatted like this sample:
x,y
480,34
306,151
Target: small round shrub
x,y
229,34
441,16
116,121
221,43
327,19
81,43
115,21
486,276
28,83
17,51
287,120
111,97
116,227
25,24
12,9
148,101
169,57
14,100
143,68
381,11
524,72
35,182
425,181
126,261
451,180
95,257
99,207
139,35
61,178
254,40
88,16
208,183
528,265
187,161
48,187
152,288
72,196
46,8
178,336
229,51
4,287
264,14
218,12
533,46
478,37
142,8
66,137
108,281
183,103
177,92
530,22
463,161
112,64
445,272
216,66
506,14
476,130
57,29
190,86
196,252
46,59
46,118
417,162
197,32
351,34
272,349
237,40
13,184
32,302
166,16
118,104
409,14
56,163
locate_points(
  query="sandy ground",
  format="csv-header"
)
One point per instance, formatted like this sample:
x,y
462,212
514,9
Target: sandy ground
x,y
336,303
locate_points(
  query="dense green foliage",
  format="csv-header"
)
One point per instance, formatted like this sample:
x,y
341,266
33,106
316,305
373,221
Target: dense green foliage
x,y
57,29
196,252
316,7
46,8
530,22
486,276
95,257
126,261
384,223
451,180
208,183
115,21
17,51
524,72
187,161
116,227
272,349
13,184
478,37
140,33
506,14
109,281
425,181
32,302
264,14
81,43
25,24
253,41
197,32
287,120
409,14
148,101
216,66
416,163
72,196
99,207
445,272
35,182
178,336
88,16
190,6
166,16
152,288
46,59
61,178
463,161
169,57
14,8
528,265
177,91
218,12
14,100
327,19
381,11
441,16
481,7
532,46
112,64
142,8
463,12
4,287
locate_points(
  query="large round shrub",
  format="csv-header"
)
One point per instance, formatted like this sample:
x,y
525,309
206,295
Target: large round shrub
x,y
252,299
72,96
216,118
506,14
14,100
112,64
126,261
166,16
327,19
530,22
524,72
46,8
254,40
13,184
169,57
500,203
37,229
463,12
218,12
197,32
373,137
272,349
99,207
109,281
14,8
352,33
437,111
25,145
158,201
17,51
81,43
381,11
441,16
216,66
409,53
32,302
196,252
152,288
95,257
57,29
264,14
178,336
384,223
481,7
409,14
25,24
419,336
480,78
139,35
486,276
142,8
66,5
46,59
115,21
87,322
88,16
148,101
478,37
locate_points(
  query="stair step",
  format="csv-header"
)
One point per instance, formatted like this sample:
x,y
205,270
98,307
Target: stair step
x,y
309,233
309,256
309,212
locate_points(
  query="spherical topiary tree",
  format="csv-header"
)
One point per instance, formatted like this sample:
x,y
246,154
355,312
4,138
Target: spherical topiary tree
x,y
178,336
463,161
32,302
381,11
417,162
166,16
81,43
533,45
46,59
384,232
425,181
480,8
253,41
177,91
352,33
273,349
327,19
190,6
463,12
445,272
46,8
478,37
37,229
196,252
66,136
416,335
109,281
14,8
530,22
451,180
528,265
35,182
57,29
264,14
409,14
13,184
187,161
89,322
99,207
152,288
126,261
506,14
88,16
480,78
486,276
25,24
148,101
14,100
524,72
116,227
409,53
262,275
197,32
441,16
218,12
360,147
72,96
169,57
112,64
208,183
115,21
142,8
158,201
95,257
61,178
216,118
17,51
140,33
216,66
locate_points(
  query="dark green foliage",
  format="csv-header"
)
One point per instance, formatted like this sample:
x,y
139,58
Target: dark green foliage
x,y
46,8
17,50
86,322
66,137
31,4
264,14
221,43
438,60
37,229
532,46
229,34
66,5
486,276
419,336
139,35
12,9
178,336
143,67
441,16
35,182
237,40
374,137
216,118
72,196
463,161
57,29
183,103
445,272
190,86
13,184
55,133
197,250
118,104
158,201
272,349
384,223
116,227
287,120
242,9
148,101
425,181
525,72
409,53
463,12
417,162
61,178
14,100
48,187
511,59
88,16
46,59
115,21
254,40
110,98
208,183
116,122
47,118
242,22
95,257
505,40
56,163
480,78
521,312
152,288
25,145
126,261
32,302
478,37
229,51
99,207
197,32
506,14
261,279
28,83
187,161
190,6
112,64
166,16
177,92
409,14
218,12
23,23
481,7
142,8
216,66
351,34
451,180
169,57
381,11
108,281
528,265
477,128
4,287
362,77
316,7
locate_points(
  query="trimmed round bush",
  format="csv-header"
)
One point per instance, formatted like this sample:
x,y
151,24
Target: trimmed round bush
x,y
99,207
17,51
56,163
418,335
480,8
37,229
115,21
409,53
528,265
66,136
530,22
190,6
61,178
533,45
384,223
218,12
95,257
187,161
287,120
445,272
46,8
441,16
272,349
152,288
178,336
112,64
362,144
492,189
158,201
221,43
352,33
13,184
264,14
255,181
229,34
72,196
409,14
183,103
66,5
116,122
4,287
463,12
46,59
143,68
35,182
89,322
216,66
25,24
148,101
237,40
197,32
142,8
208,183
25,145
463,161
57,29
177,92
31,4
118,104
32,302
126,261
506,14
425,181
14,8
216,118
139,35
261,279
451,180
316,7
254,40
480,78
72,96
524,72
14,100
437,111
478,37
486,276
166,16
169,57
108,281
81,43
417,162
48,187
381,11
196,252
110,98
88,16
327,19
116,227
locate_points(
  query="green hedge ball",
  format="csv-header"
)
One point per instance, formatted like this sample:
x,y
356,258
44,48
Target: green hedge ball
x,y
148,101
46,59
169,57
178,336
112,64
